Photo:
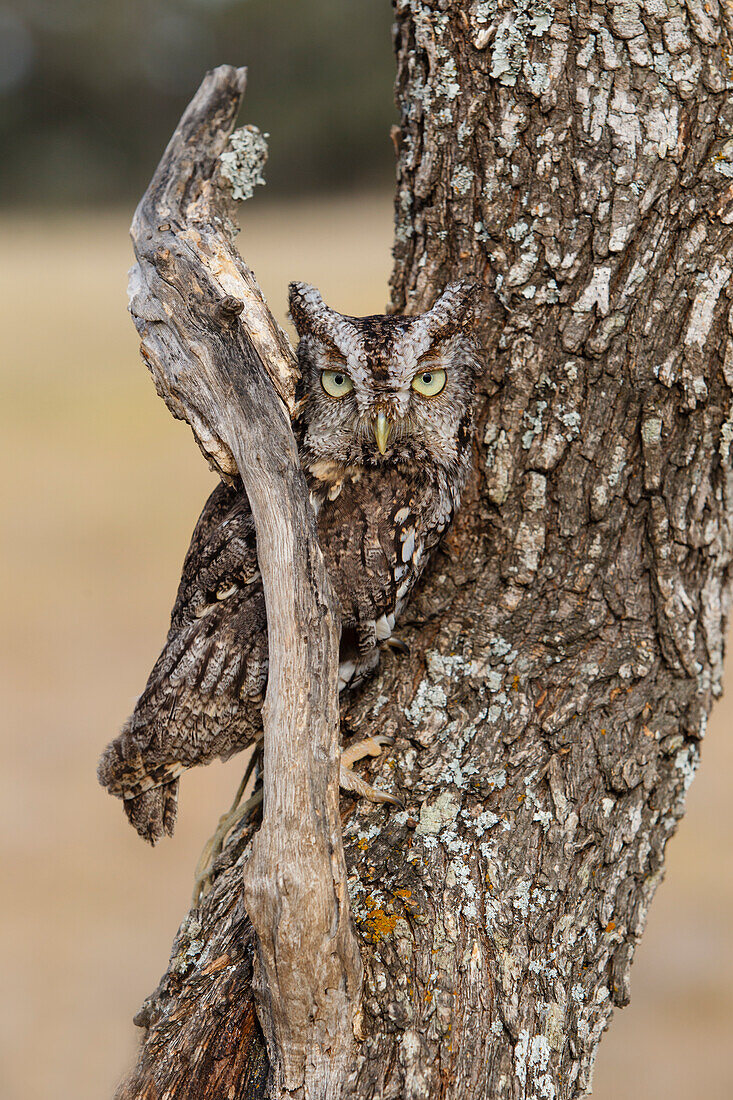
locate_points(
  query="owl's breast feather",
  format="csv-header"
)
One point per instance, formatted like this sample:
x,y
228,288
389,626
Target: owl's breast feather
x,y
375,529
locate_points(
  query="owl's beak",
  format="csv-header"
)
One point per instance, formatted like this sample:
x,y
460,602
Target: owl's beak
x,y
382,428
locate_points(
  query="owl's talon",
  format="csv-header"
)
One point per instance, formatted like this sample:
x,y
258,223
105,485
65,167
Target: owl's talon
x,y
397,645
350,781
368,746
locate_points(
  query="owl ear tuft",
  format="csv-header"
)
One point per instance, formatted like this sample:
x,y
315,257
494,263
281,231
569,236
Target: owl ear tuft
x,y
453,315
306,307
454,307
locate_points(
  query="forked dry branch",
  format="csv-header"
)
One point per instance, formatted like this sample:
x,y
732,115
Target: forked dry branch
x,y
221,363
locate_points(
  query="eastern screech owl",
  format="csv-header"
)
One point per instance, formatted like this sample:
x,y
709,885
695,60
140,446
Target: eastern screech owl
x,y
384,431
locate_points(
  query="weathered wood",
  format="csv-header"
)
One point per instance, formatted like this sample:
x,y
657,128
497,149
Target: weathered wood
x,y
217,356
568,642
202,1037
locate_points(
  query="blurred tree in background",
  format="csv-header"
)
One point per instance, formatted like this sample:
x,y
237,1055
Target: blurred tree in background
x,y
91,90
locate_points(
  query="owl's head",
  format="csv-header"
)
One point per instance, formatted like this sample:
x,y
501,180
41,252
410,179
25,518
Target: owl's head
x,y
386,390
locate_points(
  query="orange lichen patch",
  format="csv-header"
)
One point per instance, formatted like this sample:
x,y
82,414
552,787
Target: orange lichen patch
x,y
378,923
647,732
403,893
515,684
610,926
381,924
603,733
520,798
363,845
428,997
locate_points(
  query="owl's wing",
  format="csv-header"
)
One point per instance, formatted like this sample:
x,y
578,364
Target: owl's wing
x,y
203,697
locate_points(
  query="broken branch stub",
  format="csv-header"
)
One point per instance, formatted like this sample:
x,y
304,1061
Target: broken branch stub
x,y
221,362
185,224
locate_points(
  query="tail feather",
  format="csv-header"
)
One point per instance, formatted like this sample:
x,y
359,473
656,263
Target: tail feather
x,y
128,776
153,813
149,792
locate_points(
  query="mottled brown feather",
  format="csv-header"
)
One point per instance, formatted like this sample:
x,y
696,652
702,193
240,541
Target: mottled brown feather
x,y
203,697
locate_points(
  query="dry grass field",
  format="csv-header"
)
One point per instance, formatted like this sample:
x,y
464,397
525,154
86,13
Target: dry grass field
x,y
101,490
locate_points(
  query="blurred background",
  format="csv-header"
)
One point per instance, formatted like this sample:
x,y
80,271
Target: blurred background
x,y
101,489
90,91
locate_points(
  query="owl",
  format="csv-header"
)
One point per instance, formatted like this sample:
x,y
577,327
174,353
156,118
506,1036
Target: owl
x,y
384,430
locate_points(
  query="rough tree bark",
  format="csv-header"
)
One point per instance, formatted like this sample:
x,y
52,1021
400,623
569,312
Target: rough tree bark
x,y
566,646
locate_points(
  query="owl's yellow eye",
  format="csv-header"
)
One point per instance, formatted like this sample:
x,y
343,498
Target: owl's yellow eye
x,y
429,383
336,383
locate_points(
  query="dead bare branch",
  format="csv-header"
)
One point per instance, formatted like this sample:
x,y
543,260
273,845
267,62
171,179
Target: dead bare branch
x,y
221,363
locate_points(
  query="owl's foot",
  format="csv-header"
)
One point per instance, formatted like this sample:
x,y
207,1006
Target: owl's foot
x,y
396,644
215,844
350,781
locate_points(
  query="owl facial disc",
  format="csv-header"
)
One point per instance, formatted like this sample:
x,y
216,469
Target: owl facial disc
x,y
384,391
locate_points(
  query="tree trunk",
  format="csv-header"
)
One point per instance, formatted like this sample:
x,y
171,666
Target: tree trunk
x,y
567,643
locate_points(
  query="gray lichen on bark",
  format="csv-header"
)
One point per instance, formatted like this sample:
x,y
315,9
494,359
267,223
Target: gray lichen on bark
x,y
588,202
243,161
